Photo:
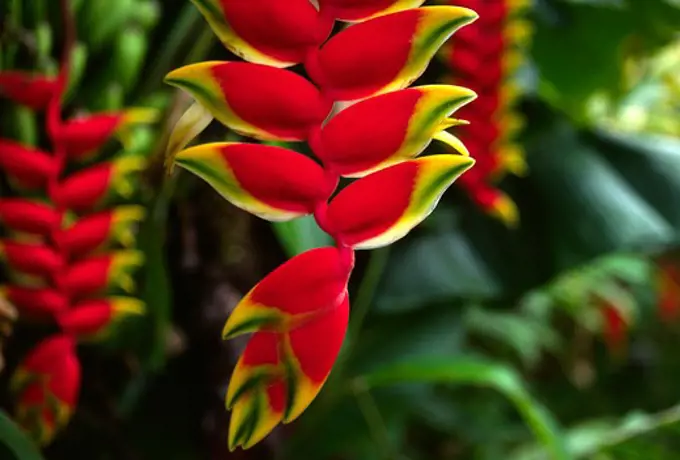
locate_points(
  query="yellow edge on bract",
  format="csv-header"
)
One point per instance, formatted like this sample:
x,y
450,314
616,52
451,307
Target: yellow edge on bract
x,y
207,162
505,210
245,312
304,390
231,40
127,306
399,5
448,167
243,374
211,97
123,264
252,405
424,45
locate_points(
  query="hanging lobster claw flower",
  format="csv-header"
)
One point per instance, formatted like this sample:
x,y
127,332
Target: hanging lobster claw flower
x,y
301,311
35,303
102,230
383,207
254,100
29,258
46,386
270,32
95,319
85,135
33,91
29,167
28,216
108,272
384,130
319,276
353,10
279,375
383,54
99,185
271,182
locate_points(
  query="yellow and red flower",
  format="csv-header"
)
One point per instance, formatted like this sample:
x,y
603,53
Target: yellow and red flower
x,y
46,386
485,57
298,314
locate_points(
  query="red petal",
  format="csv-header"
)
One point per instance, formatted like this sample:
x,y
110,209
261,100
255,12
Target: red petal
x,y
285,31
37,303
23,88
29,167
34,259
87,134
87,277
85,189
277,101
28,216
87,318
88,234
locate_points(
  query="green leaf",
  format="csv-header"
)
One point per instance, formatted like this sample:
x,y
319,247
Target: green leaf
x,y
480,373
301,234
435,268
14,440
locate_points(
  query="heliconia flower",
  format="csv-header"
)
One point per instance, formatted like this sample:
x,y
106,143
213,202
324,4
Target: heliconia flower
x,y
47,385
280,374
383,207
98,185
100,274
34,259
101,230
301,288
387,129
28,216
35,303
254,100
34,91
353,10
269,32
29,167
271,182
85,135
385,53
668,286
94,319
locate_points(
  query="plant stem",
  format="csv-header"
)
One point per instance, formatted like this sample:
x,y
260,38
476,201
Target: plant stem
x,y
374,421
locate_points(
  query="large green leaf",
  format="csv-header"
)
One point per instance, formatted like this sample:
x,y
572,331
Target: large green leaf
x,y
15,442
482,373
299,235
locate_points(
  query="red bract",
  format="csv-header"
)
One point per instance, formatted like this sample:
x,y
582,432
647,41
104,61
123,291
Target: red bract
x,y
99,185
92,319
298,313
385,53
387,129
85,135
35,303
301,310
34,91
34,259
98,231
271,182
100,274
254,100
28,216
29,167
46,385
269,32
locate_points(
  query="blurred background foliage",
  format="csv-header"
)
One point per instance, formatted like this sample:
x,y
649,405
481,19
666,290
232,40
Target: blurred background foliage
x,y
468,340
